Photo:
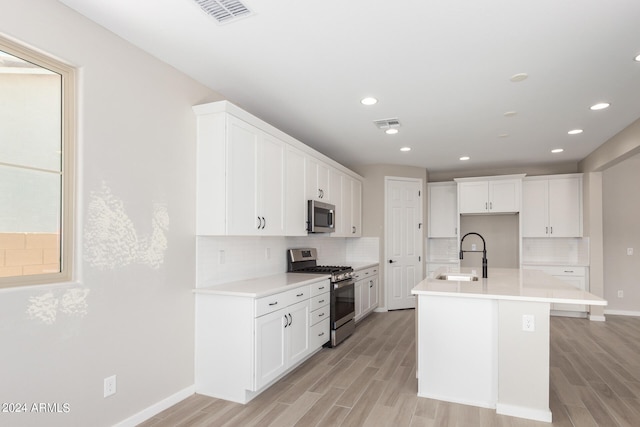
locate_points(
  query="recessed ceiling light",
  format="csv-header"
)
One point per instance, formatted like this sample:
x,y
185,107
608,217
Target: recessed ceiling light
x,y
600,106
510,113
519,77
391,131
368,101
557,150
575,131
637,58
405,149
463,158
503,135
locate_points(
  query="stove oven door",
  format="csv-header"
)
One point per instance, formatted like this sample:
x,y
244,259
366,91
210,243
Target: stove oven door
x,y
343,303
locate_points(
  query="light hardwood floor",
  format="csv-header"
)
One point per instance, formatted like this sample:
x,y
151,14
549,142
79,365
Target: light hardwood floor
x,y
369,380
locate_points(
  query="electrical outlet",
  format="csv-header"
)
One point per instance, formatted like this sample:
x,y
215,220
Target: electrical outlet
x,y
620,294
473,246
109,386
629,251
528,323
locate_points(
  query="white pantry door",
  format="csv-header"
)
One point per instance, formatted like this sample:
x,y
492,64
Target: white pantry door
x,y
403,240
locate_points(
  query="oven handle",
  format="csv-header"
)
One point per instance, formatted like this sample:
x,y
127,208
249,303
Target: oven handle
x,y
343,283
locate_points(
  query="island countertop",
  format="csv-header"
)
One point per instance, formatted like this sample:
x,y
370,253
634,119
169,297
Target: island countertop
x,y
507,284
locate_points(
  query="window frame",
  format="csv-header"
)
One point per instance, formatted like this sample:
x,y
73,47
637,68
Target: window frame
x,y
68,166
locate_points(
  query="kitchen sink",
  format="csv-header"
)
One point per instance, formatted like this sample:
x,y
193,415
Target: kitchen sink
x,y
458,277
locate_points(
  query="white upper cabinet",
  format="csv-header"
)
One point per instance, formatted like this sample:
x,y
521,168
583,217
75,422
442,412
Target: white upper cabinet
x,y
500,194
252,179
443,209
349,210
552,206
356,208
317,180
249,198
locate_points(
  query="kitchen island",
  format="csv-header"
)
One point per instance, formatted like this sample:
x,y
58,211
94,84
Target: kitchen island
x,y
485,341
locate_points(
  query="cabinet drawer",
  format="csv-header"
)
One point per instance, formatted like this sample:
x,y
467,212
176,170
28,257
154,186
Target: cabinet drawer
x,y
561,270
320,314
320,301
367,272
320,287
281,300
319,334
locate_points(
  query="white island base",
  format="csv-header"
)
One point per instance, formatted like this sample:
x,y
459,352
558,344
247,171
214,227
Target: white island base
x,y
486,343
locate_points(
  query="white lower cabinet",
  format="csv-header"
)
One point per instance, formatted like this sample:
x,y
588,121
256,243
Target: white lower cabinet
x,y
244,344
573,275
366,291
282,340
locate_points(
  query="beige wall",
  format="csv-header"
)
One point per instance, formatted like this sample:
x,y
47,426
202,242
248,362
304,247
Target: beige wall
x,y
502,235
128,313
621,217
373,205
603,263
531,170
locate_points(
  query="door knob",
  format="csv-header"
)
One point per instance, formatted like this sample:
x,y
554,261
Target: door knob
x,y
391,261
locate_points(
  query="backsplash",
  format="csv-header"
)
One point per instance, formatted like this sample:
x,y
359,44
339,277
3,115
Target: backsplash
x,y
442,249
573,251
224,259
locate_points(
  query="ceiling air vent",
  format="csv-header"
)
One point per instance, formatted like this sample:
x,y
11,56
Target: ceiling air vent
x,y
224,10
387,123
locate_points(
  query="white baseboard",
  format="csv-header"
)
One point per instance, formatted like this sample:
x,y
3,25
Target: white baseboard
x,y
595,318
543,415
156,408
623,313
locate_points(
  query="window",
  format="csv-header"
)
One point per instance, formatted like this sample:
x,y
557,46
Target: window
x,y
36,167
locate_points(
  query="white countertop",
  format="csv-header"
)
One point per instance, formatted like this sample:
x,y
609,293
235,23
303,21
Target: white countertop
x,y
262,286
507,283
362,265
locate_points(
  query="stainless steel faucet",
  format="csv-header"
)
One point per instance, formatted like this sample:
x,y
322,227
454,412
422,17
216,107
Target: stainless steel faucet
x,y
484,253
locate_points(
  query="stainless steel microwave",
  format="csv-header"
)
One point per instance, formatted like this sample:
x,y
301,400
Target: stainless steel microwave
x,y
320,217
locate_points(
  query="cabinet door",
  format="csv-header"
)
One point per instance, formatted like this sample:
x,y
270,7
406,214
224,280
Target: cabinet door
x,y
242,191
535,208
271,186
443,210
270,357
317,184
356,208
373,292
344,209
297,332
337,199
358,287
565,207
295,199
504,195
473,197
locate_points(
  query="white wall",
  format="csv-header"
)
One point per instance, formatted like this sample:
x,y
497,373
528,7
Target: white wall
x,y
131,311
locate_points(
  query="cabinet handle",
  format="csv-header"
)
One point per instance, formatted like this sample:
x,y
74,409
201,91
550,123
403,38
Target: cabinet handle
x,y
259,223
353,230
321,301
568,271
320,288
551,230
286,321
290,319
273,303
321,334
486,206
299,295
546,230
321,314
371,283
320,193
490,206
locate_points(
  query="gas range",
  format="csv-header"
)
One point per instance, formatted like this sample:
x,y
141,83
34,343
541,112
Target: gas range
x,y
342,295
305,261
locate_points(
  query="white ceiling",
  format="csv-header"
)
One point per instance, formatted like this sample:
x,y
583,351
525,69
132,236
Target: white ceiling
x,y
442,67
